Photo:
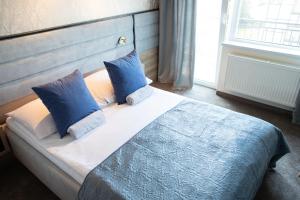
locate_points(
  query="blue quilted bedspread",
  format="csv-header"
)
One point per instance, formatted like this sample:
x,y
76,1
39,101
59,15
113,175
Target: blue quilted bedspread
x,y
194,151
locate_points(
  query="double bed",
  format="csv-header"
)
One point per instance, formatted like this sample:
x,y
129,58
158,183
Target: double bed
x,y
165,147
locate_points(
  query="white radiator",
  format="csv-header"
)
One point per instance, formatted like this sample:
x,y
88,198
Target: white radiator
x,y
262,80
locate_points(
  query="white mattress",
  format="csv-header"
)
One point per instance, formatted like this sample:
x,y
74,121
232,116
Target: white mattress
x,y
78,157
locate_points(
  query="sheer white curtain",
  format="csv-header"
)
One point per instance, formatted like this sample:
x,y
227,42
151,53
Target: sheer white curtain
x,y
177,42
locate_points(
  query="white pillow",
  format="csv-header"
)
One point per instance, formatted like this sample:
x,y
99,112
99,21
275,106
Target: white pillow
x,y
149,81
101,88
36,118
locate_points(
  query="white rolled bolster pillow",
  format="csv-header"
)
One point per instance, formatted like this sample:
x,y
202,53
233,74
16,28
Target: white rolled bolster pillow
x,y
86,124
139,95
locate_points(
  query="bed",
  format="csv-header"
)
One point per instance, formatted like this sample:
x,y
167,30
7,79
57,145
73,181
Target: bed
x,y
230,151
166,147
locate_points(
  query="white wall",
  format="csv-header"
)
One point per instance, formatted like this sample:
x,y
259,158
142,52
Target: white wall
x,y
19,16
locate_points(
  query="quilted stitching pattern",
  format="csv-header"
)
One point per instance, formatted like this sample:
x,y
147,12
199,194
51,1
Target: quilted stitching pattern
x,y
194,151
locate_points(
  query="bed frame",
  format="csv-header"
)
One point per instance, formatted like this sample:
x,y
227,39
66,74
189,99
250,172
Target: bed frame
x,y
63,185
39,58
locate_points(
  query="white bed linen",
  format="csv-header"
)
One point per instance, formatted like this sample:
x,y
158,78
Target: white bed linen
x,y
78,157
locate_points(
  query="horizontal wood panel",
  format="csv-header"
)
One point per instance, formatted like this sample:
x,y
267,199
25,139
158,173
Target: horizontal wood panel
x,y
150,70
150,53
18,48
150,60
152,75
8,107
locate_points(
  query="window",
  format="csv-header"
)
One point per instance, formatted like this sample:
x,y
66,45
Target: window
x,y
268,22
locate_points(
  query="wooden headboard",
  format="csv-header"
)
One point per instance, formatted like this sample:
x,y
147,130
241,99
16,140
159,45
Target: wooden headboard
x,y
43,57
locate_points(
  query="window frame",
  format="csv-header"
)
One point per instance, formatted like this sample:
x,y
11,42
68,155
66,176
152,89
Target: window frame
x,y
233,21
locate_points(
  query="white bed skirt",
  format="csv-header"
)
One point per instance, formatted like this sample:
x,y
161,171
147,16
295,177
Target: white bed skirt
x,y
64,186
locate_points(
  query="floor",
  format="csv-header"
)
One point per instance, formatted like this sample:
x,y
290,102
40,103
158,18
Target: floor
x,y
17,183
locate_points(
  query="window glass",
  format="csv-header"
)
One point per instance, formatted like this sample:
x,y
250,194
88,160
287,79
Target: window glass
x,y
275,22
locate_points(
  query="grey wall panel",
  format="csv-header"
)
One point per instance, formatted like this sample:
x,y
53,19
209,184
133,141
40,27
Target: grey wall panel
x,y
146,18
40,58
146,40
147,44
13,90
146,32
52,59
18,48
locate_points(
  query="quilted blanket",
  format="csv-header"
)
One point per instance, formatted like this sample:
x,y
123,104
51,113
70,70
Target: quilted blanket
x,y
193,151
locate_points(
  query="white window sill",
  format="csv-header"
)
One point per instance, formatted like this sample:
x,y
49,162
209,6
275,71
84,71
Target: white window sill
x,y
276,50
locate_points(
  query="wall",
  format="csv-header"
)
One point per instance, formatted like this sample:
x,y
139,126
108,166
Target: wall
x,y
20,16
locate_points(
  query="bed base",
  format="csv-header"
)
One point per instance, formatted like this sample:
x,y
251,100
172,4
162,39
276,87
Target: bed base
x,y
63,185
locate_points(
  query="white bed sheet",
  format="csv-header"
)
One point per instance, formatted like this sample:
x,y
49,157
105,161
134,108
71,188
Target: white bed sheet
x,y
78,157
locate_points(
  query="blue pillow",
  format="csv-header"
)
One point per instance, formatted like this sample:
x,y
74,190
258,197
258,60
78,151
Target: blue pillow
x,y
68,100
126,75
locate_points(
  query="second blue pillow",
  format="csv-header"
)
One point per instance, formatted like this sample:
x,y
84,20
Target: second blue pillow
x,y
126,75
